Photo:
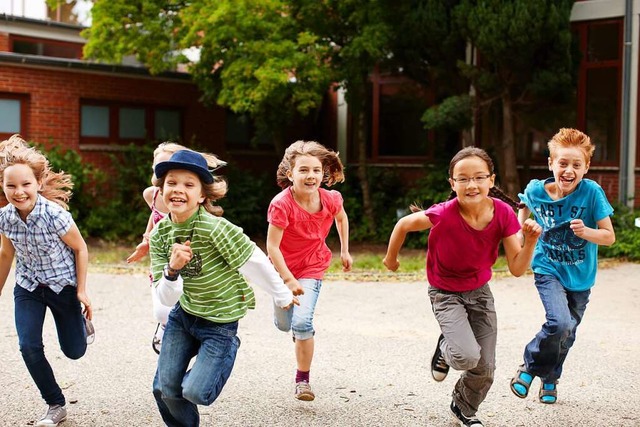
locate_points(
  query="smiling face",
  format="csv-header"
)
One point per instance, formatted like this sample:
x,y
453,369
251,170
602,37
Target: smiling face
x,y
569,165
306,175
20,187
471,180
182,193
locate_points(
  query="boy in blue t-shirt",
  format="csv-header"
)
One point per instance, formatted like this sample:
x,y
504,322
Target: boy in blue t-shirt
x,y
575,217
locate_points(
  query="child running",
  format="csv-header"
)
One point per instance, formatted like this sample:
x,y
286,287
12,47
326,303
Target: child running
x,y
575,217
199,260
51,265
300,218
465,235
162,153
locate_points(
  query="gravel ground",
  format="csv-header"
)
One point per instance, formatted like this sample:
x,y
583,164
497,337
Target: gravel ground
x,y
373,347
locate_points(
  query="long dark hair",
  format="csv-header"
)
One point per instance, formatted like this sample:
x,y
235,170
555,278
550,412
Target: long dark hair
x,y
494,191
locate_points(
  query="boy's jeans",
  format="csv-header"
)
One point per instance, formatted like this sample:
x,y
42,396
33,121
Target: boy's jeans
x,y
546,353
30,310
299,318
470,327
177,389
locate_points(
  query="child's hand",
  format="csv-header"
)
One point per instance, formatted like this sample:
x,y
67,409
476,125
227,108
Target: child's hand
x,y
295,287
347,261
531,229
84,299
391,264
295,301
141,250
578,227
181,254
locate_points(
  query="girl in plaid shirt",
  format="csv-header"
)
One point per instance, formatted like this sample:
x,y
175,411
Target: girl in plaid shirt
x,y
51,265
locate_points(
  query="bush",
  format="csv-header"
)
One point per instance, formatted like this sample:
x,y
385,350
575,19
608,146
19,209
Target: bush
x,y
627,243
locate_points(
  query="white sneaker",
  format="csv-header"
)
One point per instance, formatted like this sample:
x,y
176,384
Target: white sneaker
x,y
54,416
91,332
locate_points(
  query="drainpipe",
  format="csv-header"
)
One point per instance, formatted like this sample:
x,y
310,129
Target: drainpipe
x,y
623,192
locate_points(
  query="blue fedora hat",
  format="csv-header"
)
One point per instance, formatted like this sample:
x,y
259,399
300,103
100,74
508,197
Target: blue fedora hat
x,y
186,160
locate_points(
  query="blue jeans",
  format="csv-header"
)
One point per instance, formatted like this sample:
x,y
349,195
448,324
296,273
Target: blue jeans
x,y
30,310
177,389
299,318
546,353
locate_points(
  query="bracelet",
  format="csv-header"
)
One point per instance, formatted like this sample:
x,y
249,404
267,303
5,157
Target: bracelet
x,y
171,273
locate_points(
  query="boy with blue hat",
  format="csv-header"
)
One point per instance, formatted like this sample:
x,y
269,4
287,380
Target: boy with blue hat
x,y
198,261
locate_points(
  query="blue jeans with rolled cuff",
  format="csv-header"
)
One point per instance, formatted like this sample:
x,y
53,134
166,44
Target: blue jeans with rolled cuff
x,y
299,318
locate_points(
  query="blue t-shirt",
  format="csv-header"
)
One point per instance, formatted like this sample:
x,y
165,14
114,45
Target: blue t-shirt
x,y
559,252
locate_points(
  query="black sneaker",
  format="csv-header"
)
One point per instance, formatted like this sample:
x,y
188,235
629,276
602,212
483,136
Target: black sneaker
x,y
439,368
462,419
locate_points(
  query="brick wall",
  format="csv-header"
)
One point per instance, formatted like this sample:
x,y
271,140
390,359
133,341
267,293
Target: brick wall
x,y
4,42
54,103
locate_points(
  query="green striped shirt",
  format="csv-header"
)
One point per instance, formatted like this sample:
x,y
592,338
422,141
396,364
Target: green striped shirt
x,y
213,287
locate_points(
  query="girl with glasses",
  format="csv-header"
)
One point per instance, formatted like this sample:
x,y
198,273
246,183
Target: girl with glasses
x,y
466,232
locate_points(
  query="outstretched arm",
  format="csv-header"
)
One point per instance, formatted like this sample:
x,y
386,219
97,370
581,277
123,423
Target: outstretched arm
x,y
274,237
416,221
260,271
519,255
143,247
74,240
7,252
342,225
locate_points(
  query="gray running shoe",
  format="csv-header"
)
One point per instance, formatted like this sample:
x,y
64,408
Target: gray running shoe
x,y
54,416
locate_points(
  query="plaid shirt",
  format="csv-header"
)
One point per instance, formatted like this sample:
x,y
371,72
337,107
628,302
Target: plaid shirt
x,y
42,258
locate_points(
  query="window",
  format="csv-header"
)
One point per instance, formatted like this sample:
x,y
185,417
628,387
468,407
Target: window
x,y
599,86
104,123
240,133
13,110
396,132
44,47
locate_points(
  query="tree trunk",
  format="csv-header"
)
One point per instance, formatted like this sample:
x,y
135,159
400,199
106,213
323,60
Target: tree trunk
x,y
363,175
509,172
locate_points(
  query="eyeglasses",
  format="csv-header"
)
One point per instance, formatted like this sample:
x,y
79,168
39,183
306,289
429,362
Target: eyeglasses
x,y
477,179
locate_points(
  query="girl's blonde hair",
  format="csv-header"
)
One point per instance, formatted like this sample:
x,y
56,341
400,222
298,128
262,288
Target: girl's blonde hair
x,y
212,192
54,186
332,168
566,138
213,162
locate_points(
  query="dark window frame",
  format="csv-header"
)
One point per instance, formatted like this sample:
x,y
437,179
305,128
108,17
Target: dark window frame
x,y
77,47
24,111
114,122
378,82
582,30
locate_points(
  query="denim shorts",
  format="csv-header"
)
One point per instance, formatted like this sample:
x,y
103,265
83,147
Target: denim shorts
x,y
299,318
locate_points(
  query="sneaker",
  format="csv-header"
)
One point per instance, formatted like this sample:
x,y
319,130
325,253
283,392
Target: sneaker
x,y
303,391
91,332
156,342
439,368
462,419
54,416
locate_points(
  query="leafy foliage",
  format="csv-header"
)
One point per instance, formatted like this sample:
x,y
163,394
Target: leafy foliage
x,y
627,243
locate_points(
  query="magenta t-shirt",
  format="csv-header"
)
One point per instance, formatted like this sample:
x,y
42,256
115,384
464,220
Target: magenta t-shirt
x,y
459,258
303,241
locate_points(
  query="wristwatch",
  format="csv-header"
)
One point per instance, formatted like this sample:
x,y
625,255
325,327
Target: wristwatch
x,y
170,274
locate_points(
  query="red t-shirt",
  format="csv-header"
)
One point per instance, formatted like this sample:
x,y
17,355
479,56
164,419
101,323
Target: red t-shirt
x,y
460,258
303,241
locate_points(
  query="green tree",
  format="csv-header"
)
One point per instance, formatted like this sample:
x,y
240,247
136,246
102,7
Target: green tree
x,y
524,49
268,58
